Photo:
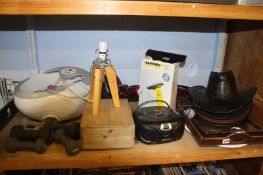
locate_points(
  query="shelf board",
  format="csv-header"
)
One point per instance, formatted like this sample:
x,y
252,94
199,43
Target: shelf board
x,y
182,151
135,8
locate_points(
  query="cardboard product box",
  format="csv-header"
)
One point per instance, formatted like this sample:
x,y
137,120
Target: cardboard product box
x,y
158,81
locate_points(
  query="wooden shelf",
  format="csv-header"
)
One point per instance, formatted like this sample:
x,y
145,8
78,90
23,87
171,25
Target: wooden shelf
x,y
184,150
135,8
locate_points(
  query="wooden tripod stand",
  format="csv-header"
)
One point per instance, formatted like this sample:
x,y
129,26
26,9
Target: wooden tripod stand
x,y
96,80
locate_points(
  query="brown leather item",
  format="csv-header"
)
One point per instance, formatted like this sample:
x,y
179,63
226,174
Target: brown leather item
x,y
214,128
224,121
221,95
234,135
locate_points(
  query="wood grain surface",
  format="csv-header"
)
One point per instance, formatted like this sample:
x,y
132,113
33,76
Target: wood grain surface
x,y
244,53
138,8
184,150
111,128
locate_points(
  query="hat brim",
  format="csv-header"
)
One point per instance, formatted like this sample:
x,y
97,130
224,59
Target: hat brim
x,y
219,106
209,128
227,116
226,121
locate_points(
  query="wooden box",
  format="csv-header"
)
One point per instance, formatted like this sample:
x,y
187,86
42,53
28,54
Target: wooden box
x,y
110,128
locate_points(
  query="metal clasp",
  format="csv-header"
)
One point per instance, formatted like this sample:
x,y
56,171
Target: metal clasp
x,y
166,126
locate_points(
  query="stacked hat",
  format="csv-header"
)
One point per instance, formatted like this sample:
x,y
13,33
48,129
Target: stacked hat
x,y
220,104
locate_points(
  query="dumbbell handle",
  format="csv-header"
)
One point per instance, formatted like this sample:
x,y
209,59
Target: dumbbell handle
x,y
64,140
22,134
71,146
14,145
25,146
30,134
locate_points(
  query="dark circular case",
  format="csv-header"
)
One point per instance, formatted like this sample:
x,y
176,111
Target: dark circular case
x,y
157,124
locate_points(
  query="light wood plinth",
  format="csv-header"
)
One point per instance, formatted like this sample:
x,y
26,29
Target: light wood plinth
x,y
111,128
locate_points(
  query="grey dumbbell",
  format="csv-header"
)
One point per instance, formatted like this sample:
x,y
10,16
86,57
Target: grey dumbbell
x,y
13,145
71,146
22,134
72,130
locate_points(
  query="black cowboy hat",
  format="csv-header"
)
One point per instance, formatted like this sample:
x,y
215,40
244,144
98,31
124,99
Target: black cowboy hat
x,y
233,118
220,96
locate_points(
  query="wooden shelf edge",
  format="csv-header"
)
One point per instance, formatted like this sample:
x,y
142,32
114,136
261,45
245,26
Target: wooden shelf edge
x,y
181,151
123,157
134,8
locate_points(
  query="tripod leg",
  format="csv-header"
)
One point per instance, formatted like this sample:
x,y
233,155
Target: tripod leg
x,y
111,76
98,76
92,78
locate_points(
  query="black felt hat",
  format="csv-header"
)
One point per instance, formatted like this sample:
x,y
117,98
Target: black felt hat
x,y
221,95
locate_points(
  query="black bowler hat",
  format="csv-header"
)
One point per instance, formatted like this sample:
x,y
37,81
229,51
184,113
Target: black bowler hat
x,y
221,95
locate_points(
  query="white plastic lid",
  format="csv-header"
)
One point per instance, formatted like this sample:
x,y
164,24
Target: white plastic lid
x,y
103,46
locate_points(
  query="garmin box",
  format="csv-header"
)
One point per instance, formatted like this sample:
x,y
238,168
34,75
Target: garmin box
x,y
110,128
158,81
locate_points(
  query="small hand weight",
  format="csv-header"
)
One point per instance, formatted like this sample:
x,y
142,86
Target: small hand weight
x,y
72,130
22,134
13,145
71,146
